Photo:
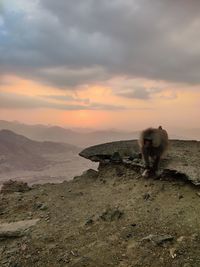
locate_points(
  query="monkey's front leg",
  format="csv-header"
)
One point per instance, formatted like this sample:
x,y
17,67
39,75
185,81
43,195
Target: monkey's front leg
x,y
156,164
145,153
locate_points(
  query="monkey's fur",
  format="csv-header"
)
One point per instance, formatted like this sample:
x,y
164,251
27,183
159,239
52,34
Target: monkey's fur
x,y
153,143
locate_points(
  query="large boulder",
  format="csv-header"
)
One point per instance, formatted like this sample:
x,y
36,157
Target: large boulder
x,y
113,151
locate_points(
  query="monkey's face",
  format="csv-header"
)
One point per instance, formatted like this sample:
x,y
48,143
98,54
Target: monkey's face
x,y
147,143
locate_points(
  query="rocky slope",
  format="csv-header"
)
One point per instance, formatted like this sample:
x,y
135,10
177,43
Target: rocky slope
x,y
20,152
27,160
113,217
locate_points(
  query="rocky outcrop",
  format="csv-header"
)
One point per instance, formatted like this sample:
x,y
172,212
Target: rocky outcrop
x,y
182,160
113,151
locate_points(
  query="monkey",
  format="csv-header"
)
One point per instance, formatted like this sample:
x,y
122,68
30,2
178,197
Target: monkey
x,y
153,143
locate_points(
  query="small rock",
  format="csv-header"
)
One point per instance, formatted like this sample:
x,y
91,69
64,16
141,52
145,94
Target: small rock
x,y
172,253
129,235
116,158
43,207
40,206
111,215
47,219
145,173
74,253
180,196
146,196
180,239
89,221
158,239
64,258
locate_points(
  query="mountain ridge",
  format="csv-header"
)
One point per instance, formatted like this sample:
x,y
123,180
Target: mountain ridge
x,y
18,151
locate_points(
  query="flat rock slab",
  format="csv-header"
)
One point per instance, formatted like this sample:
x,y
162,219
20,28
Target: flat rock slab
x,y
100,152
16,229
182,157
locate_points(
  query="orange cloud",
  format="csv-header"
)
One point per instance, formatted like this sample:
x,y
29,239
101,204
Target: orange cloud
x,y
171,106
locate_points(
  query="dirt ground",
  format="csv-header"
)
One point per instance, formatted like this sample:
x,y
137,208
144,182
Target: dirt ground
x,y
113,217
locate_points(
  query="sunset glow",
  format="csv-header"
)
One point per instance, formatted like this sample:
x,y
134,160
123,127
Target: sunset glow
x,y
98,76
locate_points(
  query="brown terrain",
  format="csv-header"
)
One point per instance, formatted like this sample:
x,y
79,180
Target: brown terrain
x,y
109,217
27,160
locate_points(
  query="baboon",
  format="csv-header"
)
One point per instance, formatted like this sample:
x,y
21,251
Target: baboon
x,y
153,143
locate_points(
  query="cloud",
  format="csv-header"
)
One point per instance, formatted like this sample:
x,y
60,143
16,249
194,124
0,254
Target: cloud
x,y
66,98
19,101
138,93
67,44
63,77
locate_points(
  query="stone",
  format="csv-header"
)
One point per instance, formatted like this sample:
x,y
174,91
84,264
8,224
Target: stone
x,y
89,221
116,158
158,239
173,253
16,229
111,214
106,151
146,196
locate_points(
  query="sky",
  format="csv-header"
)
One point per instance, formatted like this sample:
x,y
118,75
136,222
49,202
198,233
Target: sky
x,y
123,64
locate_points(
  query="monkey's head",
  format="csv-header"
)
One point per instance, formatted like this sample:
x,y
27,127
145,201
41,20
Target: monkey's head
x,y
148,142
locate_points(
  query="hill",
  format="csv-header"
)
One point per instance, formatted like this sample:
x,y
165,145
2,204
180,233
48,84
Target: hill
x,y
59,134
110,217
19,152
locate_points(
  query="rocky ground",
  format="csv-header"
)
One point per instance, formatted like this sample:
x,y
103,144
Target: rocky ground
x,y
109,217
113,217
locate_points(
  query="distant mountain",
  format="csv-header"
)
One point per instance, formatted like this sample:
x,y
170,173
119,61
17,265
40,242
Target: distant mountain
x,y
85,137
20,152
38,132
59,134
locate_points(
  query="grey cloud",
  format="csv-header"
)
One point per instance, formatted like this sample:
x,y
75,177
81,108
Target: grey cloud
x,y
68,44
64,77
19,101
66,98
139,93
58,97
